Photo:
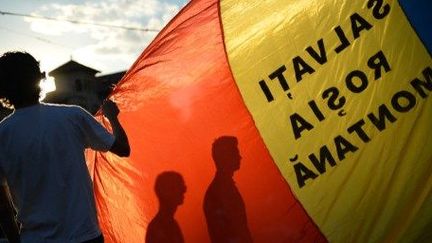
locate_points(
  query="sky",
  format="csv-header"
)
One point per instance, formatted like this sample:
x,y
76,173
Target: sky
x,y
108,50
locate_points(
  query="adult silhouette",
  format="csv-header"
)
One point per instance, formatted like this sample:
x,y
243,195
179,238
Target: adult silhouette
x,y
170,189
42,157
224,207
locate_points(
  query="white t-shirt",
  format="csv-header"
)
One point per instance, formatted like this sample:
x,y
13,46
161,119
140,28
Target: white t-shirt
x,y
42,160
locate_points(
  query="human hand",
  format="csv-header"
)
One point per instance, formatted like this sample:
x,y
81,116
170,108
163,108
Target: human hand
x,y
110,109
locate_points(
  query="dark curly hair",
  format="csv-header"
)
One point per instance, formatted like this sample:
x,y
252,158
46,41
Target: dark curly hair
x,y
19,79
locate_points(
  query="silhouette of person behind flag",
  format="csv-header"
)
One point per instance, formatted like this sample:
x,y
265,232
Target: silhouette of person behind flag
x,y
170,189
224,207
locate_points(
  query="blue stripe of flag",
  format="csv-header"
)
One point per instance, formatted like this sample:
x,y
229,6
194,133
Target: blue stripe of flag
x,y
420,16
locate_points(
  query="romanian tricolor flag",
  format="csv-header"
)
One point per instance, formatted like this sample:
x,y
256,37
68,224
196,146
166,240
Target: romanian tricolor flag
x,y
275,121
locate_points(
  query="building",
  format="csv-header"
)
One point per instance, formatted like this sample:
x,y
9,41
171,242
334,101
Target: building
x,y
79,85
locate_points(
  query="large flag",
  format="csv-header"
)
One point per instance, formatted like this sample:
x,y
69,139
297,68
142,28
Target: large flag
x,y
276,121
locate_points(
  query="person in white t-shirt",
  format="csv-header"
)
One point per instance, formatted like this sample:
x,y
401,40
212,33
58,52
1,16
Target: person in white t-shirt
x,y
42,157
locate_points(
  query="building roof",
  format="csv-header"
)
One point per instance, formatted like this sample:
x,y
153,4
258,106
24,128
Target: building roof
x,y
72,66
112,78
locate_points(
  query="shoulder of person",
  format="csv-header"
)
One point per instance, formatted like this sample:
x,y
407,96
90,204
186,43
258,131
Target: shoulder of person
x,y
65,108
5,120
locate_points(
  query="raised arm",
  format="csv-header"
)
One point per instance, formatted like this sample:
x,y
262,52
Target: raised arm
x,y
121,144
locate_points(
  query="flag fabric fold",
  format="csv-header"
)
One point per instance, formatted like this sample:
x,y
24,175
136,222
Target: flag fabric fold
x,y
298,121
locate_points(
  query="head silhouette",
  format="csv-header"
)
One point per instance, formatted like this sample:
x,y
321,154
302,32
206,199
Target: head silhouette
x,y
226,154
170,188
19,78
